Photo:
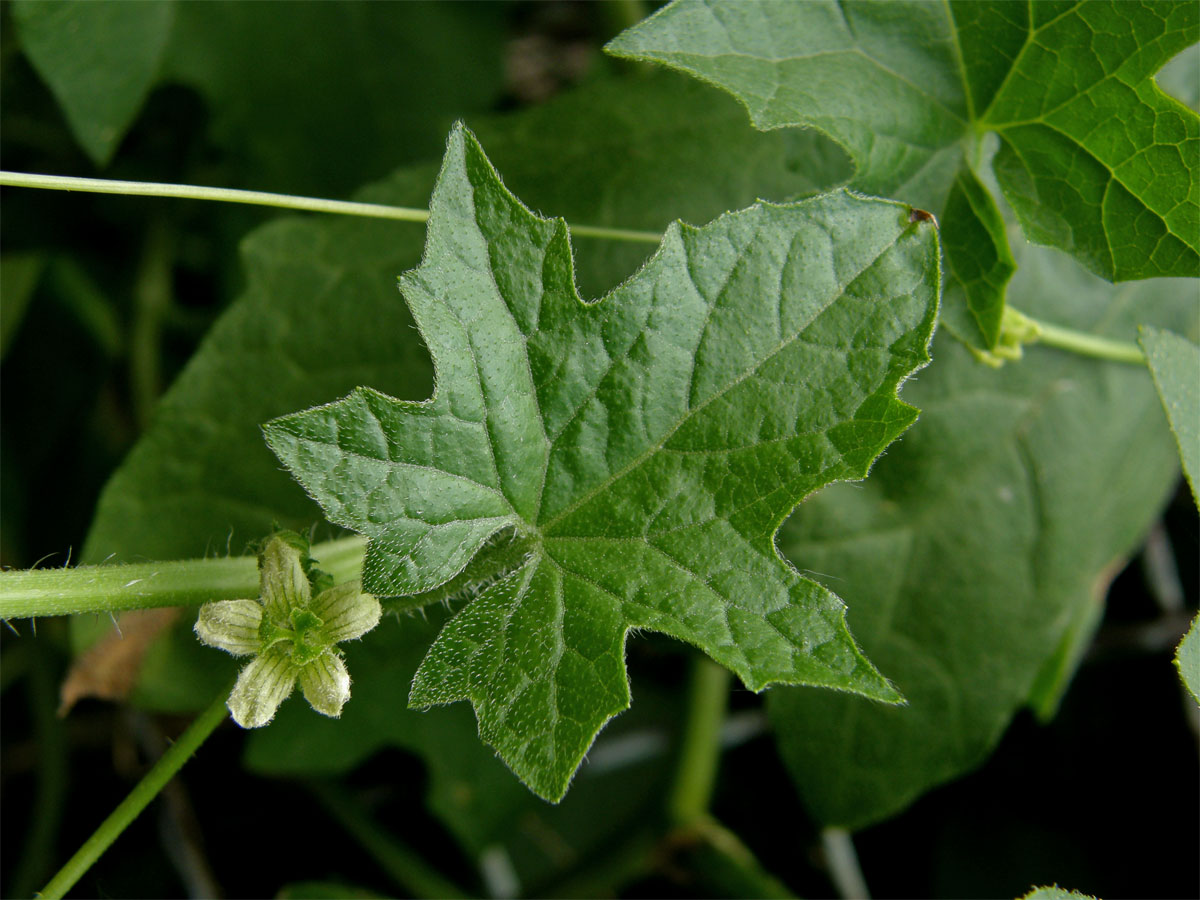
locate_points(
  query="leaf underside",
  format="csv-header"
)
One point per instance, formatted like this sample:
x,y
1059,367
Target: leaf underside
x,y
1093,157
646,447
976,555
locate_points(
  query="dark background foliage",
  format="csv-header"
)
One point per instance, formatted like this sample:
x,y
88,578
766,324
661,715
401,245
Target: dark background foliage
x,y
304,99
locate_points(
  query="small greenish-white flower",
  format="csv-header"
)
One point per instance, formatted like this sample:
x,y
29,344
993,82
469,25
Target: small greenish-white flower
x,y
291,635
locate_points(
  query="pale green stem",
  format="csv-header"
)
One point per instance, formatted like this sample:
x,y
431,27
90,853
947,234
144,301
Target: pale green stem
x,y
139,798
189,582
700,753
196,192
615,234
842,860
263,198
1087,344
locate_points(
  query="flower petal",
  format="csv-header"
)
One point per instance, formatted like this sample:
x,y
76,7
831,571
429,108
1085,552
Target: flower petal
x,y
265,683
231,625
284,584
347,612
326,684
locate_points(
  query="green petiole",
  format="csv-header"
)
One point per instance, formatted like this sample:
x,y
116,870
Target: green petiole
x,y
188,582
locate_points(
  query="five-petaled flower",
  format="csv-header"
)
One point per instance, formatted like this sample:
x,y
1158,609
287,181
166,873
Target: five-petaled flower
x,y
292,636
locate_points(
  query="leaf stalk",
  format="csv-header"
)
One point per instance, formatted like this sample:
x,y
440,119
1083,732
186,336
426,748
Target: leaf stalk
x,y
700,753
1078,341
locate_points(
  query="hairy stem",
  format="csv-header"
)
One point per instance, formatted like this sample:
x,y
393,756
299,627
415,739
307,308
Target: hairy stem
x,y
145,791
700,754
263,198
189,582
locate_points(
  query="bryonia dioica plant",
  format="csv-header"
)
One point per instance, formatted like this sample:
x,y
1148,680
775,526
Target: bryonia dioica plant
x,y
632,414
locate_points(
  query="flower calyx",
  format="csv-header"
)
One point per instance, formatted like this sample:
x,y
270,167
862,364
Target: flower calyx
x,y
292,630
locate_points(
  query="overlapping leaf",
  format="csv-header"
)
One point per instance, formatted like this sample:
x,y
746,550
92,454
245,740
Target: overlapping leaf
x,y
977,556
646,447
1093,157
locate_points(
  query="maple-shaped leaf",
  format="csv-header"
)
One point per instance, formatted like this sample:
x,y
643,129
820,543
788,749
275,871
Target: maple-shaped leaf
x,y
1093,157
642,449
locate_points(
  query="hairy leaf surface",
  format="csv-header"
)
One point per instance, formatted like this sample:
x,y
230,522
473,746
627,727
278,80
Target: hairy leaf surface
x,y
1093,157
977,555
647,446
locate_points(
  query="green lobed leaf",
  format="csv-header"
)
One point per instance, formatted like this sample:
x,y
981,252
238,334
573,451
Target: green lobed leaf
x,y
1187,659
320,302
99,60
320,315
974,555
1094,158
1175,364
647,445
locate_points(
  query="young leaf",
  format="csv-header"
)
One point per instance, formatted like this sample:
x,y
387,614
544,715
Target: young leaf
x,y
973,555
99,60
647,446
1175,364
1093,157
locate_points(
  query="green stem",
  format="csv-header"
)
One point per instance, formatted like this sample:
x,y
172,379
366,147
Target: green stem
x,y
263,198
196,192
189,582
700,753
1087,344
405,866
145,791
